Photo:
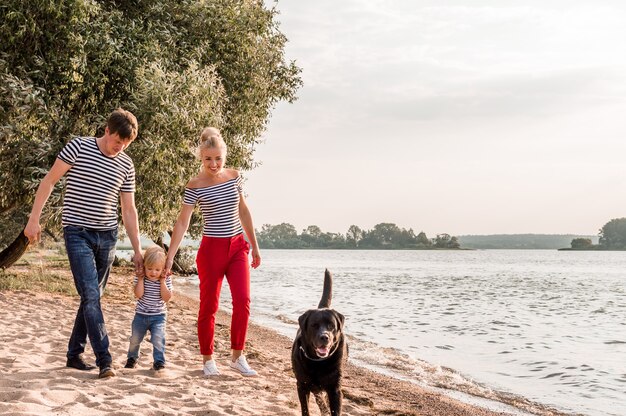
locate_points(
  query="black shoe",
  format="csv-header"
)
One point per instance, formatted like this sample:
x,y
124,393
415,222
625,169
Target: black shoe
x,y
158,366
78,363
131,363
106,371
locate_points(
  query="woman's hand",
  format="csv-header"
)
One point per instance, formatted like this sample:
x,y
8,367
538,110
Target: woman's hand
x,y
167,269
256,258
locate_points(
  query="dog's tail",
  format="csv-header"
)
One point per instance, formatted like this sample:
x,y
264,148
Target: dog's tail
x,y
327,294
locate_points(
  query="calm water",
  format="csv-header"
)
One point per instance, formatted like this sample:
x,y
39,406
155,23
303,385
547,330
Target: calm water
x,y
526,327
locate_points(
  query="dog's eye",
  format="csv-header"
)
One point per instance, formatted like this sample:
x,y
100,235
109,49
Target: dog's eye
x,y
331,327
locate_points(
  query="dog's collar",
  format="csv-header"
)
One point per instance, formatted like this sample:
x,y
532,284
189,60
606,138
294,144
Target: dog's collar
x,y
320,359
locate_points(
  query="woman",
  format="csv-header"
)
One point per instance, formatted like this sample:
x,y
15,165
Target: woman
x,y
223,250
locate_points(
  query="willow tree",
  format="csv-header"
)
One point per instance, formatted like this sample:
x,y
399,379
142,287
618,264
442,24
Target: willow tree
x,y
178,65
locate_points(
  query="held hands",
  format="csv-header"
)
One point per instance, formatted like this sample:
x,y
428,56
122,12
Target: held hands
x,y
167,270
138,261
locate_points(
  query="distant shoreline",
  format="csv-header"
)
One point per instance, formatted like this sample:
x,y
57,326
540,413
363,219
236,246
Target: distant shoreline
x,y
467,242
195,247
594,248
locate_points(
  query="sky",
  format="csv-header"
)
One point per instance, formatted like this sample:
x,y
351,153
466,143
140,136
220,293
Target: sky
x,y
458,117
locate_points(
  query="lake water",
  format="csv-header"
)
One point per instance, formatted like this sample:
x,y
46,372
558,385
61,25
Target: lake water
x,y
531,328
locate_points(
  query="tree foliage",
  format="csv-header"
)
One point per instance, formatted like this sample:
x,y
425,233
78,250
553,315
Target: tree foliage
x,y
582,243
446,241
278,236
179,65
354,235
613,235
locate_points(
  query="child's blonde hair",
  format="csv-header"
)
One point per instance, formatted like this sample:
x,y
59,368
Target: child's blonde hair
x,y
210,138
154,256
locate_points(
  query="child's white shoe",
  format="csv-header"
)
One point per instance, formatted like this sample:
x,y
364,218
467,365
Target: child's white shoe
x,y
210,369
241,365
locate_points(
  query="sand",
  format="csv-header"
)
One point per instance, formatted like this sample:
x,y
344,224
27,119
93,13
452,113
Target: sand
x,y
35,328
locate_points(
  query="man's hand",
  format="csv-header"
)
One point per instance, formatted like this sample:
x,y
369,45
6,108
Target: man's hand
x,y
138,261
33,232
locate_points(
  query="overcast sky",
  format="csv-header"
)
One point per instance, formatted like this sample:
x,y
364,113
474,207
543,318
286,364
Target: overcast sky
x,y
473,117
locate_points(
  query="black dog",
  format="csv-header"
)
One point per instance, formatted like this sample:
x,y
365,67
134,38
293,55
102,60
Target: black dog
x,y
318,354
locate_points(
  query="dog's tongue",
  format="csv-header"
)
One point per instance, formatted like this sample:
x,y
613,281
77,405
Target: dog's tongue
x,y
321,351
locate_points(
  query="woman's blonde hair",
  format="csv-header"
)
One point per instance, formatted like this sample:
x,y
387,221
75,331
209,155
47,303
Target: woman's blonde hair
x,y
154,256
210,138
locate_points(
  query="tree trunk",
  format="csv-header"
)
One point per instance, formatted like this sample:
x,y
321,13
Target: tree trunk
x,y
14,251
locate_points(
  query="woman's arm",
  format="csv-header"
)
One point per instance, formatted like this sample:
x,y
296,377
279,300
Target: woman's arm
x,y
180,228
246,222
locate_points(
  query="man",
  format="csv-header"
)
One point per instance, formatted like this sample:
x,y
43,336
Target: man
x,y
99,174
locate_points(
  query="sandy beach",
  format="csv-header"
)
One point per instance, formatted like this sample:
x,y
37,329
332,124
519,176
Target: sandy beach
x,y
35,328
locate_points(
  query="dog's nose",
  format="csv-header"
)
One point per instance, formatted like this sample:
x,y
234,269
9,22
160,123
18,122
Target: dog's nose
x,y
324,337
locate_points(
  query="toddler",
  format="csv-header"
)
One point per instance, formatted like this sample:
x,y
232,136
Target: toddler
x,y
152,292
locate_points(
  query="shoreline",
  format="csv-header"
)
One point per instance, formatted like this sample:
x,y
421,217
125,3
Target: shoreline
x,y
34,379
459,388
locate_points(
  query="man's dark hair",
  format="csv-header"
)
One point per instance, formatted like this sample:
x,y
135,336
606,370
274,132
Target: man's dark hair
x,y
123,123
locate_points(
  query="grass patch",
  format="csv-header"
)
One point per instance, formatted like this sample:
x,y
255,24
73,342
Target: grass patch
x,y
37,280
41,269
52,254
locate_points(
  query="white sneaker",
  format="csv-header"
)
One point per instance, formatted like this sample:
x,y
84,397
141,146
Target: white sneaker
x,y
243,367
210,369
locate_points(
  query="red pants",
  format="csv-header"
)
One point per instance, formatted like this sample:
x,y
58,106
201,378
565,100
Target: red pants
x,y
219,257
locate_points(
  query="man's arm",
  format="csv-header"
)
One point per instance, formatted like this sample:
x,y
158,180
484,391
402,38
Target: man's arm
x,y
33,228
131,223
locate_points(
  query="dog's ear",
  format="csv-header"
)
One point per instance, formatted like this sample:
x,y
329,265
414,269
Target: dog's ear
x,y
302,320
340,319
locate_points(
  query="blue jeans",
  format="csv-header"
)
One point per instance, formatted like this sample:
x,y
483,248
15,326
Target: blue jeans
x,y
141,325
91,254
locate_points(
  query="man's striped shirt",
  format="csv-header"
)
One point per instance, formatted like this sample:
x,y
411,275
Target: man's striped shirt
x,y
151,303
93,184
220,207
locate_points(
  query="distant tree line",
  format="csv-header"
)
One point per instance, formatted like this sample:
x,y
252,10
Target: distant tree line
x,y
612,237
520,241
382,236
